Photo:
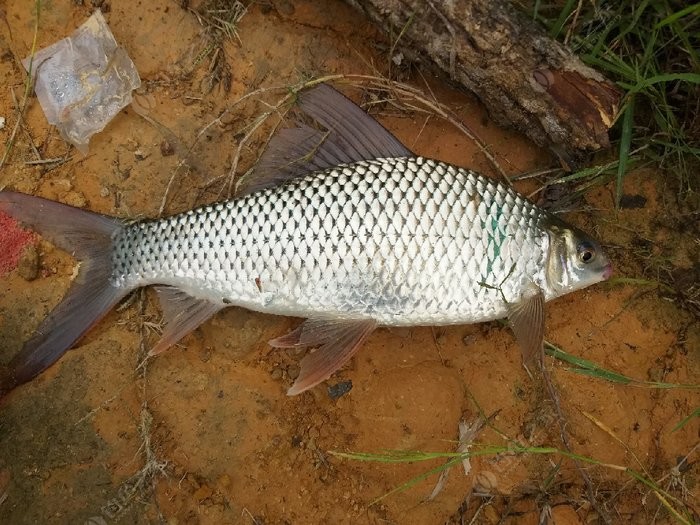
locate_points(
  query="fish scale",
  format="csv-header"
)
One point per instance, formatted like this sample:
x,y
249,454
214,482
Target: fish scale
x,y
404,241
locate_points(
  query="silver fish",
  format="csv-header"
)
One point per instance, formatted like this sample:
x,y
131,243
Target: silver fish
x,y
363,233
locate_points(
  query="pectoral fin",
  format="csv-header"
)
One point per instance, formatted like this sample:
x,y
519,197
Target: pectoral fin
x,y
527,321
337,341
182,313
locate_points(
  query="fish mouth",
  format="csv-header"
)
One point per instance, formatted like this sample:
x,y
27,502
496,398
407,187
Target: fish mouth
x,y
607,272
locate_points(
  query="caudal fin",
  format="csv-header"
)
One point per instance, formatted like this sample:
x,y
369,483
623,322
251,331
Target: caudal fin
x,y
88,237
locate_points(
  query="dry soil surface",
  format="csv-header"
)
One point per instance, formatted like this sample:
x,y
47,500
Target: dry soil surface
x,y
205,432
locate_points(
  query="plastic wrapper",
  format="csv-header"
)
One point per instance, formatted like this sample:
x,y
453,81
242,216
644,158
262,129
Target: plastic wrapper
x,y
83,81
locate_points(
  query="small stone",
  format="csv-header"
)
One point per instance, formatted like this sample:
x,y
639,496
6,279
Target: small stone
x,y
166,149
203,493
75,198
487,481
62,185
468,340
104,191
276,373
2,122
140,155
293,371
28,267
565,515
339,389
205,354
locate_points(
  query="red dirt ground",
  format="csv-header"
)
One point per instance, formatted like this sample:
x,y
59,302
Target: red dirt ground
x,y
205,432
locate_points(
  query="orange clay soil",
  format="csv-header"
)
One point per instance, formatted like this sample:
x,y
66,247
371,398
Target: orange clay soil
x,y
205,432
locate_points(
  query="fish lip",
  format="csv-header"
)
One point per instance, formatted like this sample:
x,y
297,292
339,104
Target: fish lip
x,y
607,272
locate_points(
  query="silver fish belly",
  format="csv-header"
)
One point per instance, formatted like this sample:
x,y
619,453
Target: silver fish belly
x,y
403,241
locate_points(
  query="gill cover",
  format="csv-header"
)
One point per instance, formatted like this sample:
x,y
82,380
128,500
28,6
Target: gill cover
x,y
575,260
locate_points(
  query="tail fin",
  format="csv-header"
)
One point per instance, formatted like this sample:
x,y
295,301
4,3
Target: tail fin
x,y
88,237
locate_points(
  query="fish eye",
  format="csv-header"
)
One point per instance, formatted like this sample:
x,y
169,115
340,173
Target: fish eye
x,y
586,252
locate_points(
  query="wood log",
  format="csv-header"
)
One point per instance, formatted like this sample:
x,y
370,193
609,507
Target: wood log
x,y
524,78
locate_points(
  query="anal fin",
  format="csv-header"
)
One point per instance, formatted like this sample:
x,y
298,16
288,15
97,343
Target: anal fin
x,y
527,321
337,341
182,313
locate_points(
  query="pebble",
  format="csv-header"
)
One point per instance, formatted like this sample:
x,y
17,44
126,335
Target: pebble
x,y
2,122
28,267
293,371
487,481
166,149
565,515
64,185
339,389
75,198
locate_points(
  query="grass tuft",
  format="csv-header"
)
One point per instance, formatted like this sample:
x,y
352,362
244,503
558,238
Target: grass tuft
x,y
650,49
219,20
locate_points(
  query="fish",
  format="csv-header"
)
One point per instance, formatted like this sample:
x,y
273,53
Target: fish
x,y
340,224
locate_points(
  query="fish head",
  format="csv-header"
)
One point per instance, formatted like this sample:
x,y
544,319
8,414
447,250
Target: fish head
x,y
575,259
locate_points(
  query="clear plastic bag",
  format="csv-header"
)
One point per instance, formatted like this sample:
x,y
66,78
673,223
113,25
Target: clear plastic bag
x,y
83,81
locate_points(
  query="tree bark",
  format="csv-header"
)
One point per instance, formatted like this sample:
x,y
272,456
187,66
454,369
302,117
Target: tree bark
x,y
524,78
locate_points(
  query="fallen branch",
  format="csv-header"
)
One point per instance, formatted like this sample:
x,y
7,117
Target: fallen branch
x,y
523,77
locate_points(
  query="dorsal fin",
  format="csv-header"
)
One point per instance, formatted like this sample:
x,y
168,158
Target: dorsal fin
x,y
349,135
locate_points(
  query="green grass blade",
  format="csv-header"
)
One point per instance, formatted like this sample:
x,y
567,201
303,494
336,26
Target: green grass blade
x,y
682,516
695,413
417,479
589,368
625,143
563,16
605,375
693,78
535,9
648,48
691,9
637,13
635,281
